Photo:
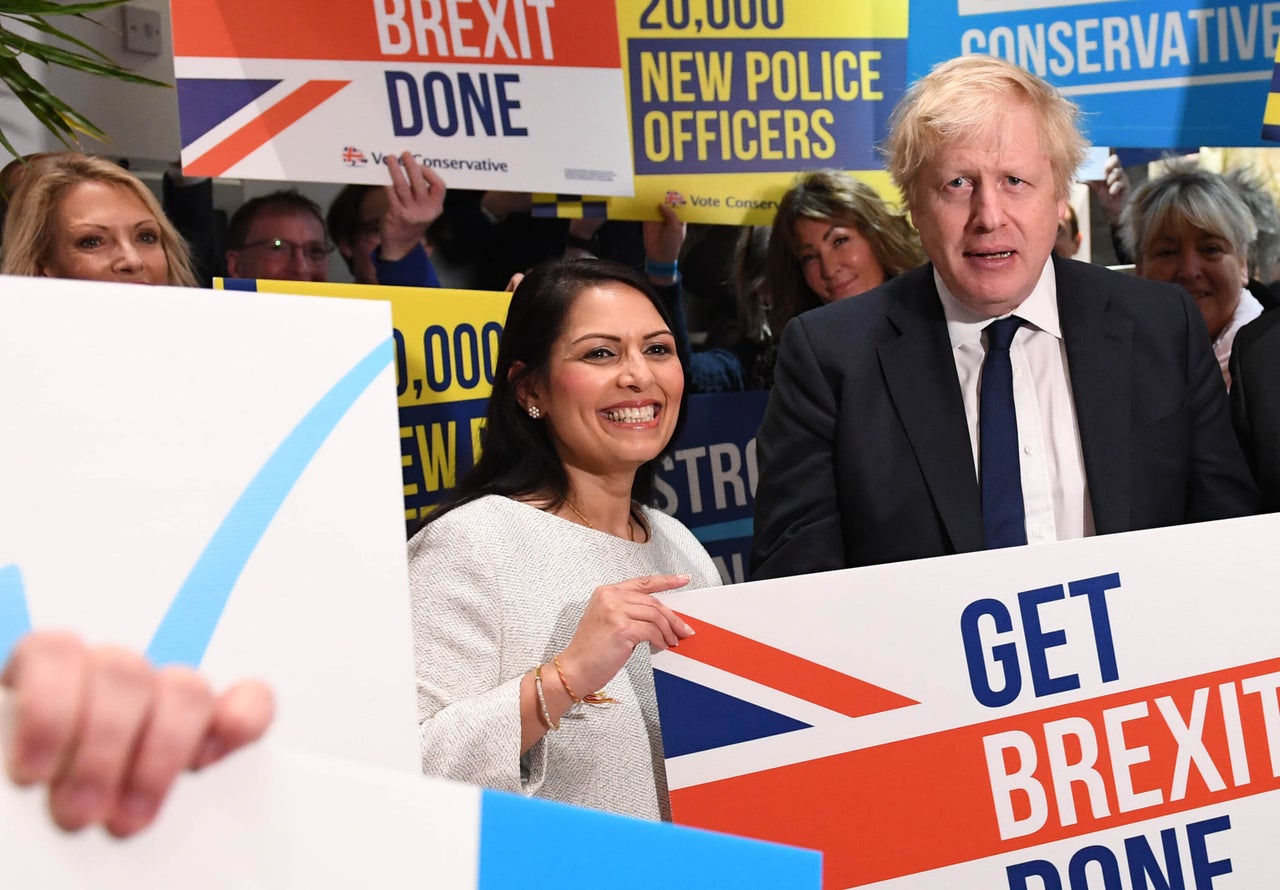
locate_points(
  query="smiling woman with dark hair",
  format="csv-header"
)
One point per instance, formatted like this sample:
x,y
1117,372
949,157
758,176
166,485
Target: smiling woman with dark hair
x,y
532,584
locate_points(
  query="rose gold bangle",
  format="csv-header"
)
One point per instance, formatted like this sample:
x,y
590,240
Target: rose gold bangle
x,y
595,698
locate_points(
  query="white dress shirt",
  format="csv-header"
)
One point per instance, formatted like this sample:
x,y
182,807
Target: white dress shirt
x,y
1246,311
1054,491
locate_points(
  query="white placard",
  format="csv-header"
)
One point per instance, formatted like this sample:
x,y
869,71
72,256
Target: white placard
x,y
146,429
1000,719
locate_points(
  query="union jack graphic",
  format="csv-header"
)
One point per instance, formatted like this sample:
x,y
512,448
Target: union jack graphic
x,y
674,199
353,157
788,722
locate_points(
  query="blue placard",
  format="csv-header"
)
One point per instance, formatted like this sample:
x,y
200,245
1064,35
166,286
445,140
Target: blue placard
x,y
515,855
1157,75
708,481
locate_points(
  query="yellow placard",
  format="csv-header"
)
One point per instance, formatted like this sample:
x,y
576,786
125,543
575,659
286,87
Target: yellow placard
x,y
446,355
730,99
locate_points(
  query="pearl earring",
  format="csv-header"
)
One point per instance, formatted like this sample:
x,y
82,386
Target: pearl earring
x,y
535,412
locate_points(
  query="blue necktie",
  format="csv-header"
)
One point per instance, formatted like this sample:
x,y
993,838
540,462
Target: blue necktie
x,y
1003,519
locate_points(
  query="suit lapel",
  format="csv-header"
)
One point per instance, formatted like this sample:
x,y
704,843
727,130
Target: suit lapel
x,y
920,375
1099,345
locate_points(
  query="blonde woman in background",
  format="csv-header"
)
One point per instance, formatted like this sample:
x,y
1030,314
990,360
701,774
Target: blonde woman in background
x,y
77,216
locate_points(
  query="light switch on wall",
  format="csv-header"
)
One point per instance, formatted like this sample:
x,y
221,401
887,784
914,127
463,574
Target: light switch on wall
x,y
142,32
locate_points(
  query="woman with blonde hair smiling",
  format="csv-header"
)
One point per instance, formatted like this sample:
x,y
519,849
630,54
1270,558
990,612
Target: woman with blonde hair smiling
x,y
77,216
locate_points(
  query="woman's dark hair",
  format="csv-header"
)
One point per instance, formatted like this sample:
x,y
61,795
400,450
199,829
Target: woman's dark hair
x,y
519,459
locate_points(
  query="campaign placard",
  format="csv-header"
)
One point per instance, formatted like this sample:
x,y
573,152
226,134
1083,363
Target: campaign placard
x,y
1103,712
525,95
708,481
1152,75
211,479
729,99
446,355
1271,112
269,819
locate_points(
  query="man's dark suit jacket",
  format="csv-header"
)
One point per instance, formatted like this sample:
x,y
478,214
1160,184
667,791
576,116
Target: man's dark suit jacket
x,y
864,450
1255,401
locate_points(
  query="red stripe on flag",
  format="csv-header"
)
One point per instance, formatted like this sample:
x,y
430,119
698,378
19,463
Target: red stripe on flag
x,y
263,128
580,33
787,673
923,803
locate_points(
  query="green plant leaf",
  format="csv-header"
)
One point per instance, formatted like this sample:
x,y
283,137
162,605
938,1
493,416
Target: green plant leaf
x,y
39,24
56,116
48,7
7,144
56,56
49,111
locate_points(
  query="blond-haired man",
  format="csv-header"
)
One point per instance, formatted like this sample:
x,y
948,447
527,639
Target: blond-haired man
x,y
872,448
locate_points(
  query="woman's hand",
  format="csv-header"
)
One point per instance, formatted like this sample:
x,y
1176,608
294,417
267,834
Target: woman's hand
x,y
108,733
618,618
1112,191
663,239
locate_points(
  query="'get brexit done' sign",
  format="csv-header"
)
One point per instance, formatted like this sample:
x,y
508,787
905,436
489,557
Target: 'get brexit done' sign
x,y
525,95
1099,713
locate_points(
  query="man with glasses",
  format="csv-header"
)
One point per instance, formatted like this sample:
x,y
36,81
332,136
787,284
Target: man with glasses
x,y
282,235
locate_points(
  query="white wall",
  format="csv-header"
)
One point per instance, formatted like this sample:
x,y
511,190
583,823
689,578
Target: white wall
x,y
142,121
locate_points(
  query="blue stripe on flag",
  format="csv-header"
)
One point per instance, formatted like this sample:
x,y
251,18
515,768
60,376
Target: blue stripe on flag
x,y
15,620
203,103
515,852
699,718
184,633
724,531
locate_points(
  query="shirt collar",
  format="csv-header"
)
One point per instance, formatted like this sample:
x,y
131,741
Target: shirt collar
x,y
1247,309
1039,309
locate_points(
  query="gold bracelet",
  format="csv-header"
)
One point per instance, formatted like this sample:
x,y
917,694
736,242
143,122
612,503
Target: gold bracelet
x,y
542,702
595,698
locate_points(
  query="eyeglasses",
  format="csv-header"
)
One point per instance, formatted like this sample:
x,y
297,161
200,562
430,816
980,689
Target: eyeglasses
x,y
312,251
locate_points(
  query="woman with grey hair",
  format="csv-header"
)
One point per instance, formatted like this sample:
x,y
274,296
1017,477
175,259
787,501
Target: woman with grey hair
x,y
1190,227
1264,253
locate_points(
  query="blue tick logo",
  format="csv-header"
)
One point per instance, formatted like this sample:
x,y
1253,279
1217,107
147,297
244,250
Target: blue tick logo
x,y
185,631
